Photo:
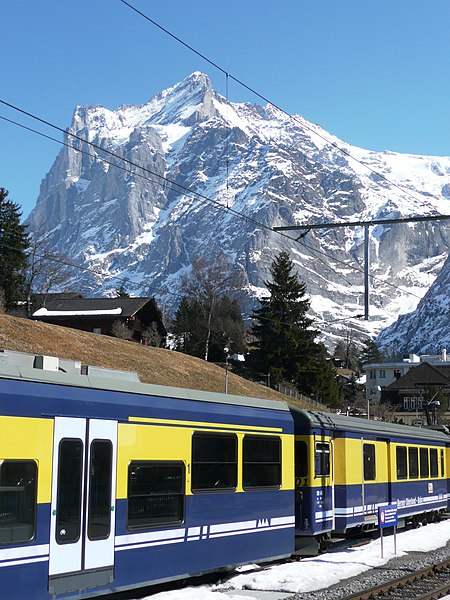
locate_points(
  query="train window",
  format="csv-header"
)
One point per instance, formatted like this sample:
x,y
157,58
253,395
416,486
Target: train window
x,y
424,464
18,484
413,456
402,469
369,462
214,462
100,474
322,459
155,494
434,472
68,502
262,462
442,464
301,459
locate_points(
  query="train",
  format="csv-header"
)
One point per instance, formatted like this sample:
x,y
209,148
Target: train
x,y
108,484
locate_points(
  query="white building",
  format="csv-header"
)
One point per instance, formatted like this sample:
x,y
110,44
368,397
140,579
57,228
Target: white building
x,y
381,374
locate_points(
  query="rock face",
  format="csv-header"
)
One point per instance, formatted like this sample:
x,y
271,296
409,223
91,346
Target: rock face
x,y
427,329
204,177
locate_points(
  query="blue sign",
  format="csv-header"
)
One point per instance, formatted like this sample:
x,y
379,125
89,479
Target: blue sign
x,y
387,515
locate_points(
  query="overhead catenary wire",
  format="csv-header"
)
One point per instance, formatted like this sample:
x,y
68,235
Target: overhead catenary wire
x,y
301,122
162,180
267,100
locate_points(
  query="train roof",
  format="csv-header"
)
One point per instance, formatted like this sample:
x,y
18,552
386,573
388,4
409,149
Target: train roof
x,y
19,366
320,420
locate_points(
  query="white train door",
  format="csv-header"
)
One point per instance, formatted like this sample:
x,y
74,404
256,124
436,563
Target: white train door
x,y
82,523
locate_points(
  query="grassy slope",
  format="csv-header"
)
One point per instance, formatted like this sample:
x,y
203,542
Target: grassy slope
x,y
153,365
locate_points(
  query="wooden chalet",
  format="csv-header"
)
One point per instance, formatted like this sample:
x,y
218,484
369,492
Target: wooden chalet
x,y
407,393
138,318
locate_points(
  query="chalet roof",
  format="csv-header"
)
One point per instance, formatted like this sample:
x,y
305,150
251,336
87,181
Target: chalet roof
x,y
64,307
423,374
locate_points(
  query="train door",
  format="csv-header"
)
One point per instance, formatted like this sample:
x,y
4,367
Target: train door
x,y
82,524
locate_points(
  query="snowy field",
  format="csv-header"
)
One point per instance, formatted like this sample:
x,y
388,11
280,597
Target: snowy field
x,y
312,574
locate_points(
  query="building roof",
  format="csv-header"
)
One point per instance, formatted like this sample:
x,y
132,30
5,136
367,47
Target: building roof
x,y
422,375
86,307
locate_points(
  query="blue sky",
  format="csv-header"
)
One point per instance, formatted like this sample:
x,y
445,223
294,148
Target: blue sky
x,y
374,73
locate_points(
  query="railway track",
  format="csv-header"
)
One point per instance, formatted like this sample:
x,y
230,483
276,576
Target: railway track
x,y
430,583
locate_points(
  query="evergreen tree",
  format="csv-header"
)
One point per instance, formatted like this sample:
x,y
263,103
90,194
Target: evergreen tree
x,y
370,353
190,328
121,292
324,385
14,243
285,345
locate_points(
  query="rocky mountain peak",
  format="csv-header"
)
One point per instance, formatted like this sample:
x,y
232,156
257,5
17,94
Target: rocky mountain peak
x,y
146,223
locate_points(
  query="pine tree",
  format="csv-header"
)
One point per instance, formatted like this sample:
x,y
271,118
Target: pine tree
x,y
285,345
121,292
14,243
283,334
370,353
190,328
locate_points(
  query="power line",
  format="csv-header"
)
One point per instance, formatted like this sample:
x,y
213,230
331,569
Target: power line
x,y
164,180
301,122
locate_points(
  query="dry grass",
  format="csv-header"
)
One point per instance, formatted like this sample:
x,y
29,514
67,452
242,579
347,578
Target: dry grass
x,y
153,365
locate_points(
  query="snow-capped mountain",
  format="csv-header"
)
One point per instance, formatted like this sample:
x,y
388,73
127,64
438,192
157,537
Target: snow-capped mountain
x,y
427,329
126,219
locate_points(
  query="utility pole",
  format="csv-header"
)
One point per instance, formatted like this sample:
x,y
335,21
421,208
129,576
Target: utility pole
x,y
366,225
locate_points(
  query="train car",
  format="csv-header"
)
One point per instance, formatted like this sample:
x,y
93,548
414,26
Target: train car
x,y
346,468
108,484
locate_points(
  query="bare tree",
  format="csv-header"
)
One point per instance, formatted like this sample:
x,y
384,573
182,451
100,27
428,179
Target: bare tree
x,y
208,282
46,270
120,330
152,335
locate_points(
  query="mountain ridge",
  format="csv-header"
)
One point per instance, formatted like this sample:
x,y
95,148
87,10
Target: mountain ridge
x,y
256,160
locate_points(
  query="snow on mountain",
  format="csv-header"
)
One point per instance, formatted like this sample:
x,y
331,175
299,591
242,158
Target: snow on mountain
x,y
427,329
124,219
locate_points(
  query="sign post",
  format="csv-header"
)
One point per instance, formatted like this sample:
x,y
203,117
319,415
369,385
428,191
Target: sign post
x,y
388,517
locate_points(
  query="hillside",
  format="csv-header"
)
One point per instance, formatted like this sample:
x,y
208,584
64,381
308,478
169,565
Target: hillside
x,y
249,169
153,365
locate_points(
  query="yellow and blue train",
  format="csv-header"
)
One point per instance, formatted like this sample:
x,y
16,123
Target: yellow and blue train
x,y
108,484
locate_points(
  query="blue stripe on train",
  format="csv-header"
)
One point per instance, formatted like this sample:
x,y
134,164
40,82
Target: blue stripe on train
x,y
24,566
38,399
210,537
315,507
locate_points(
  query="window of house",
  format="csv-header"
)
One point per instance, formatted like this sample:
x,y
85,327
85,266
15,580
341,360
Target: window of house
x,y
214,462
424,463
301,459
18,488
413,457
382,374
372,374
369,462
97,330
155,494
407,402
402,463
262,461
322,459
442,464
434,471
